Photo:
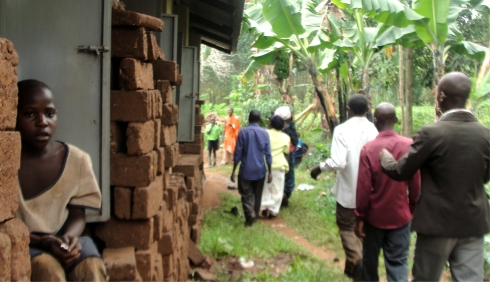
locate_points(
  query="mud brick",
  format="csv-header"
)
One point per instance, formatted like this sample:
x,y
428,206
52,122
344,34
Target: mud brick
x,y
190,183
20,269
147,200
9,156
195,234
166,178
166,70
5,259
178,81
168,268
135,75
154,51
158,221
129,42
171,155
133,106
122,202
192,220
158,106
187,164
140,137
118,233
166,244
158,132
194,149
197,109
168,135
190,196
199,120
168,217
200,102
145,262
8,85
158,268
118,137
161,162
121,263
132,171
9,199
170,114
165,90
128,18
195,209
198,129
172,197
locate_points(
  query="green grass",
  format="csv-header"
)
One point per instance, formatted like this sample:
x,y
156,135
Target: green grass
x,y
224,235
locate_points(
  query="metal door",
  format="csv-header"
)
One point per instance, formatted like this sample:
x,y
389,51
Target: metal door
x,y
47,35
188,94
168,37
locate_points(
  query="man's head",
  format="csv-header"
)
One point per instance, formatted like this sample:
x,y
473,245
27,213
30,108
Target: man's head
x,y
357,105
254,116
36,114
212,120
385,117
453,90
230,111
276,122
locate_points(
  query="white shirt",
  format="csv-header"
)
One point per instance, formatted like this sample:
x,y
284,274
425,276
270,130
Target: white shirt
x,y
348,140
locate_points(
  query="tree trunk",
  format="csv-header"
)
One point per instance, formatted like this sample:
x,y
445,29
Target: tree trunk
x,y
341,97
366,89
327,106
439,70
408,92
401,87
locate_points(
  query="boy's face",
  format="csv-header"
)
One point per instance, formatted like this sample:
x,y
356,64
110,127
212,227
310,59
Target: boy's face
x,y
36,117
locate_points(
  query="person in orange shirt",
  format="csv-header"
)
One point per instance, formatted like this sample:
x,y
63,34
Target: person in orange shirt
x,y
230,135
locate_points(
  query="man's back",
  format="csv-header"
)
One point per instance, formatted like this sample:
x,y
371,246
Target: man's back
x,y
456,156
380,200
252,145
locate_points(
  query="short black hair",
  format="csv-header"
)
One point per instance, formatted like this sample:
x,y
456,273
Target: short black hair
x,y
277,122
254,116
358,104
24,86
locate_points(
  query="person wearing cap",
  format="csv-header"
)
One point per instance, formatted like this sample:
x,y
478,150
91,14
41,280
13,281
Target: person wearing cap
x,y
212,131
290,129
347,142
230,135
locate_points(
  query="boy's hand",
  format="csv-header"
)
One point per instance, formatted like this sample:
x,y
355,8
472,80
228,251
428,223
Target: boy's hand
x,y
67,256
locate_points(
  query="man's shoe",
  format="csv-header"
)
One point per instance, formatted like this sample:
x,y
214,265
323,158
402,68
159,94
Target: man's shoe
x,y
210,165
285,202
266,213
249,221
214,164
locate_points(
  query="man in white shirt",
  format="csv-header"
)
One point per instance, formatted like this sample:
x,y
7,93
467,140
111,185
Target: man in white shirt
x,y
348,140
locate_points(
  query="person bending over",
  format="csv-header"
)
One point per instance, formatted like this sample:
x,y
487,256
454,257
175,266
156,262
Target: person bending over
x,y
57,185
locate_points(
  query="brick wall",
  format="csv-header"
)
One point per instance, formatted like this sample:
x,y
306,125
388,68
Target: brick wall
x,y
156,184
14,235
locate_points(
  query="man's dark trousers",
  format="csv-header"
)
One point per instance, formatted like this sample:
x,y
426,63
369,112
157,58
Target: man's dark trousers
x,y
395,243
251,192
289,179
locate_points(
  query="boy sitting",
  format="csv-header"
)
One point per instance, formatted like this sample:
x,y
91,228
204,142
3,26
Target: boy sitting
x,y
57,185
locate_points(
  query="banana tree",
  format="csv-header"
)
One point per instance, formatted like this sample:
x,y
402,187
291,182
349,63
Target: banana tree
x,y
282,25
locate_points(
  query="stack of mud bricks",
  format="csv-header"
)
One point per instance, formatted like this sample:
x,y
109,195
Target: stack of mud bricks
x,y
148,234
190,164
15,264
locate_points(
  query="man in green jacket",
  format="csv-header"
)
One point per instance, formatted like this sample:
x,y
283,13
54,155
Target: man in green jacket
x,y
213,131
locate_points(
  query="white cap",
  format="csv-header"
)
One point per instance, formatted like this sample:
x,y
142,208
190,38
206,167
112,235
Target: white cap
x,y
284,112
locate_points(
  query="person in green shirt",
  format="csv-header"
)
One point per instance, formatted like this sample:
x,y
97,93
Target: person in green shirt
x,y
213,131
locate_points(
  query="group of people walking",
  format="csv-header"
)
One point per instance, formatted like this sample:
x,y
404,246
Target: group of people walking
x,y
388,185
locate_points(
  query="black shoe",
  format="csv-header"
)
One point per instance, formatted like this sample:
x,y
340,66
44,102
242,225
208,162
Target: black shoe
x,y
285,202
250,221
234,211
266,213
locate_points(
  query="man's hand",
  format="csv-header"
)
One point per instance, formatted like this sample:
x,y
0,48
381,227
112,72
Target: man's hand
x,y
359,229
315,172
383,154
232,178
269,177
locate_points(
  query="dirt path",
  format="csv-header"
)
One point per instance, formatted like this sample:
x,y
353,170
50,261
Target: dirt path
x,y
217,183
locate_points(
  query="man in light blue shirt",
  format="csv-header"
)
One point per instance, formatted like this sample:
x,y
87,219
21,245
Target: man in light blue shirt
x,y
252,147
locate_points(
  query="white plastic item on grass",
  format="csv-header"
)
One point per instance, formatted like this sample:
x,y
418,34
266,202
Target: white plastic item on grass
x,y
304,186
246,264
